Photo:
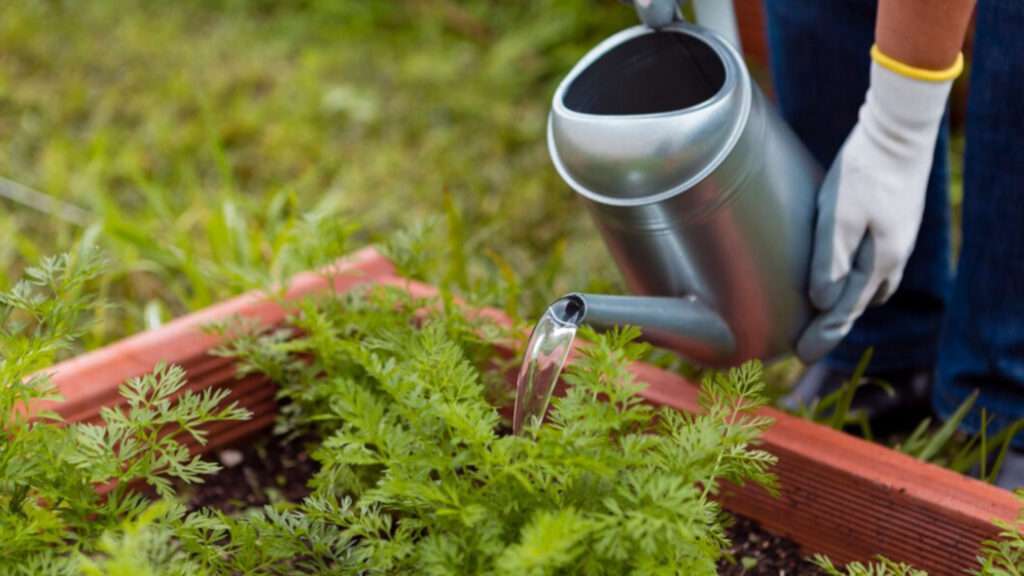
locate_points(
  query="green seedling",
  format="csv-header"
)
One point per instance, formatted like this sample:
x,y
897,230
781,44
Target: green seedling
x,y
880,567
50,509
420,475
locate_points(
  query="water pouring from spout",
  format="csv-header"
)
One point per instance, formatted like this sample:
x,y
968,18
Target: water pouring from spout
x,y
683,324
545,356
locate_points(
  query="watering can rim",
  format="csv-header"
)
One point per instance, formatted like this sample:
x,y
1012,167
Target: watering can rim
x,y
734,81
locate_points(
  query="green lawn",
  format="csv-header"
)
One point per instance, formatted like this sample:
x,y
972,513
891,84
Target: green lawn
x,y
197,135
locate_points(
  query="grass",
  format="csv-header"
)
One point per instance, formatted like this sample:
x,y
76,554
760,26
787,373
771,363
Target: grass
x,y
194,136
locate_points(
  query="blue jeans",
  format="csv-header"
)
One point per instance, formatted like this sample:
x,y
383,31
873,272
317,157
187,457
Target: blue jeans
x,y
968,326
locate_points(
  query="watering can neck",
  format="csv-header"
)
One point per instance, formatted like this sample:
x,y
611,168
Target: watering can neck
x,y
684,324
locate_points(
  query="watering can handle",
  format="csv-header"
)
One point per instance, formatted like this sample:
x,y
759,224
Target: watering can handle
x,y
720,16
717,15
657,13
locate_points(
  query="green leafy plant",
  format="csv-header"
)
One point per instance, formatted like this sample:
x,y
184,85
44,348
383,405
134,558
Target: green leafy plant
x,y
133,444
419,472
880,567
1004,556
143,544
50,508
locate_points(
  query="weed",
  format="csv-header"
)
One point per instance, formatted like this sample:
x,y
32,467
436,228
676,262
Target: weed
x,y
835,409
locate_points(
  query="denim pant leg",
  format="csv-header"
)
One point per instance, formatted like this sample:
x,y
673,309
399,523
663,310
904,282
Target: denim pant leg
x,y
820,67
983,343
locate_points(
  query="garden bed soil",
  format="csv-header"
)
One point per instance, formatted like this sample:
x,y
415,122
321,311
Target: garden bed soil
x,y
264,470
270,468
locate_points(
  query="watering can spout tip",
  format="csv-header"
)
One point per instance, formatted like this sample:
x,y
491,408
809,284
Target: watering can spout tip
x,y
684,324
569,309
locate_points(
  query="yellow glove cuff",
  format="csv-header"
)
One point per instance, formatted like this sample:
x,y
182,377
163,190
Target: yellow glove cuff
x,y
918,73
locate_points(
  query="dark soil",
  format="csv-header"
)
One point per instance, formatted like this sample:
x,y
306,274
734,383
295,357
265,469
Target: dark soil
x,y
758,553
266,469
261,471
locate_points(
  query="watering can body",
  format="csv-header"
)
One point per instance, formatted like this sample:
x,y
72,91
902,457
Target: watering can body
x,y
703,196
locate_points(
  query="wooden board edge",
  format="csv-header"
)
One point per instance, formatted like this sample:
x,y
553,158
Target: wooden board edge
x,y
88,381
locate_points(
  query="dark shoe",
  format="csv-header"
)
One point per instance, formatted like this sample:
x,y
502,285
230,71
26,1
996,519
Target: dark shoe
x,y
1011,473
890,411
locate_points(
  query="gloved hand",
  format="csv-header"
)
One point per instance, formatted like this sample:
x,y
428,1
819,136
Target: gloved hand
x,y
872,200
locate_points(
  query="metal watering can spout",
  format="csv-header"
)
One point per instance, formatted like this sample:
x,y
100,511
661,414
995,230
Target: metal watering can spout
x,y
683,324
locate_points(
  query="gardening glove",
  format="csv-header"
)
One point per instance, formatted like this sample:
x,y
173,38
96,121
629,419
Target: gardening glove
x,y
872,200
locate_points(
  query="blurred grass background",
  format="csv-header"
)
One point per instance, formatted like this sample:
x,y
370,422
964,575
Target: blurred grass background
x,y
196,136
193,138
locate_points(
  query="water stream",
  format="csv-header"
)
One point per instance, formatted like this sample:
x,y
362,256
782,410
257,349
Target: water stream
x,y
545,356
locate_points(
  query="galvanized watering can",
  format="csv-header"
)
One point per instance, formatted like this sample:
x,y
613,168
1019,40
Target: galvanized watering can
x,y
704,197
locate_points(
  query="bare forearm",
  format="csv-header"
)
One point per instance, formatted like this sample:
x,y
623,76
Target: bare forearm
x,y
923,33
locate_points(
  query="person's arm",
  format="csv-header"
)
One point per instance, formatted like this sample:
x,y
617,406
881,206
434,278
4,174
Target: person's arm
x,y
925,34
871,203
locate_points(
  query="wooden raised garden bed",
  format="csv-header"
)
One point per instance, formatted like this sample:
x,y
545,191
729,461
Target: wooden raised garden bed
x,y
840,496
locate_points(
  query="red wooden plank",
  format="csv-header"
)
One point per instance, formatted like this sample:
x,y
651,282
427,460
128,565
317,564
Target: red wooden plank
x,y
852,499
88,381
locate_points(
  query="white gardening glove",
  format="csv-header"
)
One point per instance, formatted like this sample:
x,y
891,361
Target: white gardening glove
x,y
871,202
